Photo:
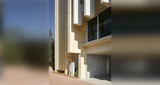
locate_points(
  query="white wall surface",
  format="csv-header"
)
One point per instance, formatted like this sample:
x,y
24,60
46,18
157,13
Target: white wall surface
x,y
77,12
89,8
105,1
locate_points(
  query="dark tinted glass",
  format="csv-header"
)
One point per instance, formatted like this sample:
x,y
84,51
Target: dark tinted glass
x,y
92,29
105,23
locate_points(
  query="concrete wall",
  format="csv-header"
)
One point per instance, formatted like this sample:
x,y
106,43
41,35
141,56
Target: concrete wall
x,y
96,65
75,34
60,34
69,38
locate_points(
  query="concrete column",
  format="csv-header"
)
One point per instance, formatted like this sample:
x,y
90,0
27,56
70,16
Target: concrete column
x,y
56,35
81,67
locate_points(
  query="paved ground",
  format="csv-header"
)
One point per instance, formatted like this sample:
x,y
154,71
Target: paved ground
x,y
57,79
96,81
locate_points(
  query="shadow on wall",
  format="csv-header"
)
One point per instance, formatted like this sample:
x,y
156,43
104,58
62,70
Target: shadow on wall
x,y
97,67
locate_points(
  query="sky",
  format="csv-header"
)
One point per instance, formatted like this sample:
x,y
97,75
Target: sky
x,y
33,17
51,15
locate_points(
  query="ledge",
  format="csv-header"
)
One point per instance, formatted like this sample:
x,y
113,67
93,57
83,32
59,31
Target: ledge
x,y
98,41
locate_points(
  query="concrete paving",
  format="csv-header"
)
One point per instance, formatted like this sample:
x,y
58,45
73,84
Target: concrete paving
x,y
57,79
96,81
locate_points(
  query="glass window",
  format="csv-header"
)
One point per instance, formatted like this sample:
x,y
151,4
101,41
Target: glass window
x,y
105,23
92,29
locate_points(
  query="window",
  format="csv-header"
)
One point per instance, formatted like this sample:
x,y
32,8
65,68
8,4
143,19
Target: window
x,y
92,29
104,23
100,26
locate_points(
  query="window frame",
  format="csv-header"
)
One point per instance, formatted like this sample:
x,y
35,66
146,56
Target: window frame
x,y
105,14
88,29
98,29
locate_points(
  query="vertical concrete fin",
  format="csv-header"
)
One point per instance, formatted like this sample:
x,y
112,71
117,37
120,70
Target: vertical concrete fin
x,y
56,35
77,12
89,8
81,67
72,44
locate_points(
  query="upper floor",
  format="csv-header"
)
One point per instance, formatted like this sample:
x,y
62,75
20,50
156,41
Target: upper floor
x,y
78,22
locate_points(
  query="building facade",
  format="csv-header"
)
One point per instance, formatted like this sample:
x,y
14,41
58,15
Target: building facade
x,y
83,37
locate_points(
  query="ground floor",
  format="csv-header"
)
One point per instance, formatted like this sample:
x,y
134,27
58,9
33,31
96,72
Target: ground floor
x,y
94,60
93,66
96,81
98,66
56,79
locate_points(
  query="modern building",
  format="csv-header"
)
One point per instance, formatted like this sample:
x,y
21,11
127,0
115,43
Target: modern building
x,y
83,37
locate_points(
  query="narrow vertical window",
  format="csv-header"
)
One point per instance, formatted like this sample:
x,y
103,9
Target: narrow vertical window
x,y
92,29
105,23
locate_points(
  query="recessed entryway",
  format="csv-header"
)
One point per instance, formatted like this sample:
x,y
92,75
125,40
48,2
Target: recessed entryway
x,y
98,66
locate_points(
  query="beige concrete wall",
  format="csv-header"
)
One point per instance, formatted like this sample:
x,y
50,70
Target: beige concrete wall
x,y
76,34
101,46
97,47
60,34
76,37
70,39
